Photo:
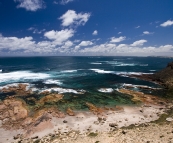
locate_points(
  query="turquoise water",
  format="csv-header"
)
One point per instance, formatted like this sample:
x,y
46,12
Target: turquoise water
x,y
97,78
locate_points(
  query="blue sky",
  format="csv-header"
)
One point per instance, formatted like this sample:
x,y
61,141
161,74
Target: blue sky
x,y
86,27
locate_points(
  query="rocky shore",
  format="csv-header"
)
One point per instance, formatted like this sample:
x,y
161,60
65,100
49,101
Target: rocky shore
x,y
29,117
163,77
44,122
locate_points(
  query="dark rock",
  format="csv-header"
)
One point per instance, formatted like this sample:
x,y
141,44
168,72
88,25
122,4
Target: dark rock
x,y
64,121
113,125
16,137
163,77
124,132
36,137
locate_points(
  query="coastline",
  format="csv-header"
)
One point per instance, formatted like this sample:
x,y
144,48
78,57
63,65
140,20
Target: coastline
x,y
44,122
55,126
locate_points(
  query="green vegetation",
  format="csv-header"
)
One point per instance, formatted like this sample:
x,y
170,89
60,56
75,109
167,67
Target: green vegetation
x,y
92,134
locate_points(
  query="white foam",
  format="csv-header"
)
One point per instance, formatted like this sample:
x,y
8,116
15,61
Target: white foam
x,y
51,81
101,71
131,73
143,65
62,90
96,63
0,70
114,62
126,65
69,71
21,76
15,85
106,90
138,86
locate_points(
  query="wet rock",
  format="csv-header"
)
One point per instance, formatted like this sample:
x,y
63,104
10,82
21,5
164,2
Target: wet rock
x,y
19,90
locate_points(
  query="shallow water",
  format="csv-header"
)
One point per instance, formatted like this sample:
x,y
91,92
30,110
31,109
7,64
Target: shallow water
x,y
70,75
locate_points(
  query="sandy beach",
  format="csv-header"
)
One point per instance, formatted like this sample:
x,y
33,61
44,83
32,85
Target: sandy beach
x,y
106,127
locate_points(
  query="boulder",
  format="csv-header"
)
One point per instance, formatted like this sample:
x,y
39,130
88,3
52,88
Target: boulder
x,y
94,109
169,119
19,90
70,112
13,109
50,99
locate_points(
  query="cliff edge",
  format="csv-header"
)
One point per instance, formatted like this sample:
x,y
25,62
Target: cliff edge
x,y
165,76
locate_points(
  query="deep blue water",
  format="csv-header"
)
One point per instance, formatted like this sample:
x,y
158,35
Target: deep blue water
x,y
90,74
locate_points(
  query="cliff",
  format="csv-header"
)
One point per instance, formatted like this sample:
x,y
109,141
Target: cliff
x,y
165,76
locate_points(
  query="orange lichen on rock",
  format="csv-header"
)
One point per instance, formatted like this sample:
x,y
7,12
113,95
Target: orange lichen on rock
x,y
70,112
19,90
50,99
94,109
13,110
141,97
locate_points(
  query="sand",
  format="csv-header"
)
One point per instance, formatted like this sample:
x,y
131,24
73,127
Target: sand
x,y
107,126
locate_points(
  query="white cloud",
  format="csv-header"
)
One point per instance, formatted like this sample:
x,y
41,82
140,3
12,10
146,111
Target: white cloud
x,y
72,18
139,43
86,43
28,45
63,2
126,50
67,45
95,32
116,40
31,28
35,30
147,33
55,2
167,23
59,36
119,32
30,5
137,27
14,43
77,41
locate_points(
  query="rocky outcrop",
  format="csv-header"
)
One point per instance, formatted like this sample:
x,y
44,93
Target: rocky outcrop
x,y
141,97
13,110
94,109
165,76
70,112
19,90
52,98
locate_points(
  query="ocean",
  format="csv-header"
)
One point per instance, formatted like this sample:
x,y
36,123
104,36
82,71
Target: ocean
x,y
80,79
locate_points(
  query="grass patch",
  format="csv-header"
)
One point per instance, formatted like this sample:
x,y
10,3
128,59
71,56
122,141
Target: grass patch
x,y
93,134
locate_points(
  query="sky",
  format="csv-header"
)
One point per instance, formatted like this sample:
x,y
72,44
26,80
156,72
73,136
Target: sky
x,y
86,28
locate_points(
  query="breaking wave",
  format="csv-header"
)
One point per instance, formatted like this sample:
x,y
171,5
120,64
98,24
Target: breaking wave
x,y
21,76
